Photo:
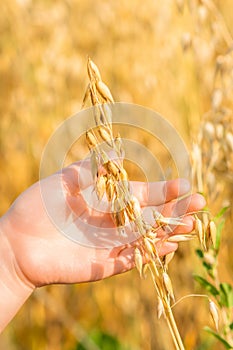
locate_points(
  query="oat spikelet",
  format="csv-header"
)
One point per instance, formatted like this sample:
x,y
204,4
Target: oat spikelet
x,y
149,246
100,186
135,206
106,135
214,314
168,259
180,238
112,168
110,189
93,71
91,140
138,260
213,232
160,308
118,145
168,285
119,213
104,91
200,232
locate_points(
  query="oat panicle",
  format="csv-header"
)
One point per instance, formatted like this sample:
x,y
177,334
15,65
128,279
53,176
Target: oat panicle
x,y
115,186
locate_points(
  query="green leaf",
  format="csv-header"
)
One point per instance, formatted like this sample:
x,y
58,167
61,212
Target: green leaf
x,y
216,335
207,266
231,326
207,285
200,253
226,294
221,212
103,341
218,236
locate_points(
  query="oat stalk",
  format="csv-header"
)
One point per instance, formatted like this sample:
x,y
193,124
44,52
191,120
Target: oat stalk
x,y
111,180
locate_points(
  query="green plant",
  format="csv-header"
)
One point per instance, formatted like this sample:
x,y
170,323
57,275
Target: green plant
x,y
220,292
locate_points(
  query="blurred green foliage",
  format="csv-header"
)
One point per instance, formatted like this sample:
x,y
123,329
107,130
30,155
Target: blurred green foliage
x,y
104,341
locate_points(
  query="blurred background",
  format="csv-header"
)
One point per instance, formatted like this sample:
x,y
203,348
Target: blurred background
x,y
173,56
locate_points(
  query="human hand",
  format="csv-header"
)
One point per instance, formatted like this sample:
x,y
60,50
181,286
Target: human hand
x,y
43,255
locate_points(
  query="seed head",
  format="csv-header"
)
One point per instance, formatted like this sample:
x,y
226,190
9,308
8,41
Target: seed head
x,y
129,211
119,218
149,246
93,71
213,232
112,168
118,145
135,206
105,134
200,232
104,91
118,204
160,308
123,176
214,313
168,258
138,260
168,285
91,139
180,238
100,186
110,189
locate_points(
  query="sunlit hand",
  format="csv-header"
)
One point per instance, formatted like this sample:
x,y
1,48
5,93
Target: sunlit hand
x,y
34,225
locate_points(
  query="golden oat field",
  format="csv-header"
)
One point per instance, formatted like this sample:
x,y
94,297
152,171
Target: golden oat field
x,y
172,56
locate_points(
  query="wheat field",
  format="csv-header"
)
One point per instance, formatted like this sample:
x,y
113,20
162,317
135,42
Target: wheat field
x,y
172,56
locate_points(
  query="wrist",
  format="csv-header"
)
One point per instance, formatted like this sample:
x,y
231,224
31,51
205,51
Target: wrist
x,y
14,287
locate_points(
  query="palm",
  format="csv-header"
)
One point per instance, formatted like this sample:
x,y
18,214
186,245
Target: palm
x,y
56,205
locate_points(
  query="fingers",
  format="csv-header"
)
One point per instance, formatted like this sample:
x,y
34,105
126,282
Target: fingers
x,y
179,210
166,248
192,203
153,193
156,193
124,258
188,226
79,174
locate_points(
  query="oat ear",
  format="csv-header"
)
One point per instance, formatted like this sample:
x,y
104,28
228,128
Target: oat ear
x,y
104,91
138,259
125,207
214,314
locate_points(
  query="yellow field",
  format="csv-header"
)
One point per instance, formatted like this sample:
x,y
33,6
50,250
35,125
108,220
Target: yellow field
x,y
150,53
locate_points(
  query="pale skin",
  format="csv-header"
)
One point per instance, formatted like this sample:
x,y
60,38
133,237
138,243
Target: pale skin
x,y
34,252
